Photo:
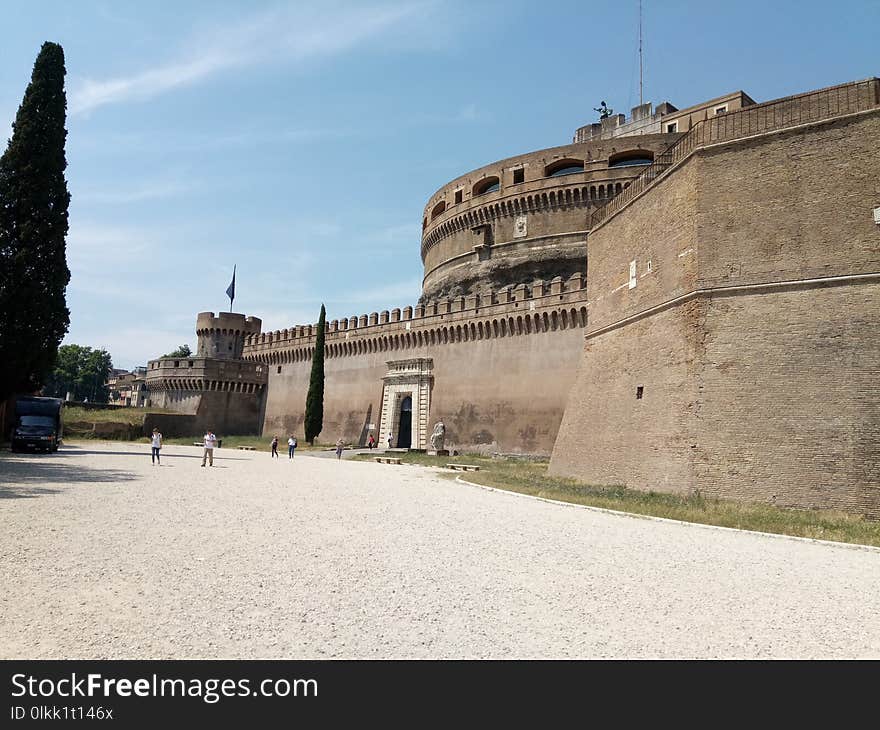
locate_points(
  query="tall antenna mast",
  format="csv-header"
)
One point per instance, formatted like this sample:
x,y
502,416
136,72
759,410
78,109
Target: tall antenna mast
x,y
641,99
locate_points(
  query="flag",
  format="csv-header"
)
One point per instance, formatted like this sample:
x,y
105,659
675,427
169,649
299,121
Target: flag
x,y
230,290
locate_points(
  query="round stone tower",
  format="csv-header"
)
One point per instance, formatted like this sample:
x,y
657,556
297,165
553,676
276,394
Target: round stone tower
x,y
222,336
526,217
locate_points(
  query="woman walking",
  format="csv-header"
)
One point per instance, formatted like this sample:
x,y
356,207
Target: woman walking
x,y
340,445
156,444
291,446
275,446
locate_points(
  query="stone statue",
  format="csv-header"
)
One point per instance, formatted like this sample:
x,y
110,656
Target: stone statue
x,y
438,437
604,111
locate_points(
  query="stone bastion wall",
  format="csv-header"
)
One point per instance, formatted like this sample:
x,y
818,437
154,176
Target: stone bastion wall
x,y
736,355
224,394
501,364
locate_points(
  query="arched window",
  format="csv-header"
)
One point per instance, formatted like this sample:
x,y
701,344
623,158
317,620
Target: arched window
x,y
438,209
564,167
487,185
631,158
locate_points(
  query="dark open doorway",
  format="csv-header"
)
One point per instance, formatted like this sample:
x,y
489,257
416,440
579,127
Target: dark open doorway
x,y
404,427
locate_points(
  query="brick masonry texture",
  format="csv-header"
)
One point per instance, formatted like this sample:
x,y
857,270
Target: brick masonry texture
x,y
768,394
505,392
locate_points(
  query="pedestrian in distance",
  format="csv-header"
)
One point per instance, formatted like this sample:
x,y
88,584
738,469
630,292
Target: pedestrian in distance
x,y
275,446
156,444
210,443
390,439
371,442
340,445
291,446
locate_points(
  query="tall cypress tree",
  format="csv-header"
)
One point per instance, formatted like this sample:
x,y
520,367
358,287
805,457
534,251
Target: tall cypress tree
x,y
33,227
314,419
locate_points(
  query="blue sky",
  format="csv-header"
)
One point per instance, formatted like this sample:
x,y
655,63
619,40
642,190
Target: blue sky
x,y
301,140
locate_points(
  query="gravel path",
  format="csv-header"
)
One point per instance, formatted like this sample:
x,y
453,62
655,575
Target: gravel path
x,y
105,556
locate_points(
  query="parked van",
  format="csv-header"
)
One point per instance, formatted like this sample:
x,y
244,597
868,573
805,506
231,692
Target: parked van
x,y
38,424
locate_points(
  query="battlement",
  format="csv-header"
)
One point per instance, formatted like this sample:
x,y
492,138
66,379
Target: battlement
x,y
230,322
204,374
223,336
520,309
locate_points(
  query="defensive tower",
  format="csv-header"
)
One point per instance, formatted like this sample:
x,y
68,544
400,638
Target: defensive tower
x,y
223,336
216,385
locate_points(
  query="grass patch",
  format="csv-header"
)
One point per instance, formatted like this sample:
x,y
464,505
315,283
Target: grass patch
x,y
260,443
117,414
530,477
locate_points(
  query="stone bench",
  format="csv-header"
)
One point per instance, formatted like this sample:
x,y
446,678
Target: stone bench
x,y
463,467
386,460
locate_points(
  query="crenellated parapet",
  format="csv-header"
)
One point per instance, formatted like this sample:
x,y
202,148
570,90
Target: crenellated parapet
x,y
223,335
523,309
198,374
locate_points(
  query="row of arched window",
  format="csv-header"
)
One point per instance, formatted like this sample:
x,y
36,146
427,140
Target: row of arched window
x,y
528,203
523,324
557,168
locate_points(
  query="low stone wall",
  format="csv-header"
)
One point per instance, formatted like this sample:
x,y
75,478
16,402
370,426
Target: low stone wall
x,y
90,406
171,425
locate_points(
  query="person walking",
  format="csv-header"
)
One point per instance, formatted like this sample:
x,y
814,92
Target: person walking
x,y
371,443
291,446
275,446
210,443
340,445
390,439
156,444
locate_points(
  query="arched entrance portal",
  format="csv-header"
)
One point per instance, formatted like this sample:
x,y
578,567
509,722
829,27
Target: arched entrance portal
x,y
406,403
404,426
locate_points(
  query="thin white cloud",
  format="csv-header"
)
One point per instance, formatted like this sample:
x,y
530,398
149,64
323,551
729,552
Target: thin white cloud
x,y
396,233
468,113
396,294
293,33
87,242
159,190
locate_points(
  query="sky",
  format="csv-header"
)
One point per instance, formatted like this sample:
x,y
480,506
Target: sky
x,y
300,141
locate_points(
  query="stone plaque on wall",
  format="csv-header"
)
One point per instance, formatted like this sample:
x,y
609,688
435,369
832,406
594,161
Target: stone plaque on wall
x,y
520,226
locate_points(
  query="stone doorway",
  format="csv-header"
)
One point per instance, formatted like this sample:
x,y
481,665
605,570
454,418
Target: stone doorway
x,y
404,427
406,403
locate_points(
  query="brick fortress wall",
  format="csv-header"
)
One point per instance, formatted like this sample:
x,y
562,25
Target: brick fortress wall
x,y
502,366
750,327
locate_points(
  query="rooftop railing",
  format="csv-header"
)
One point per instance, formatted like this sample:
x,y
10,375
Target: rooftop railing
x,y
752,120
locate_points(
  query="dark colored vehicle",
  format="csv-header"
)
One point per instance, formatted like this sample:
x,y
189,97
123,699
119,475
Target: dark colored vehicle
x,y
37,424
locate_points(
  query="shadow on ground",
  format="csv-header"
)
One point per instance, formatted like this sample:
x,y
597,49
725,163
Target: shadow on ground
x,y
76,450
22,475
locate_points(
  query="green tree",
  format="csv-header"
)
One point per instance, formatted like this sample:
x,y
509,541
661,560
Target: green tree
x,y
81,371
314,418
182,351
33,227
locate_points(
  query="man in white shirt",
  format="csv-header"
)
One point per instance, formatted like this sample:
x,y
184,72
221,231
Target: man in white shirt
x,y
210,443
